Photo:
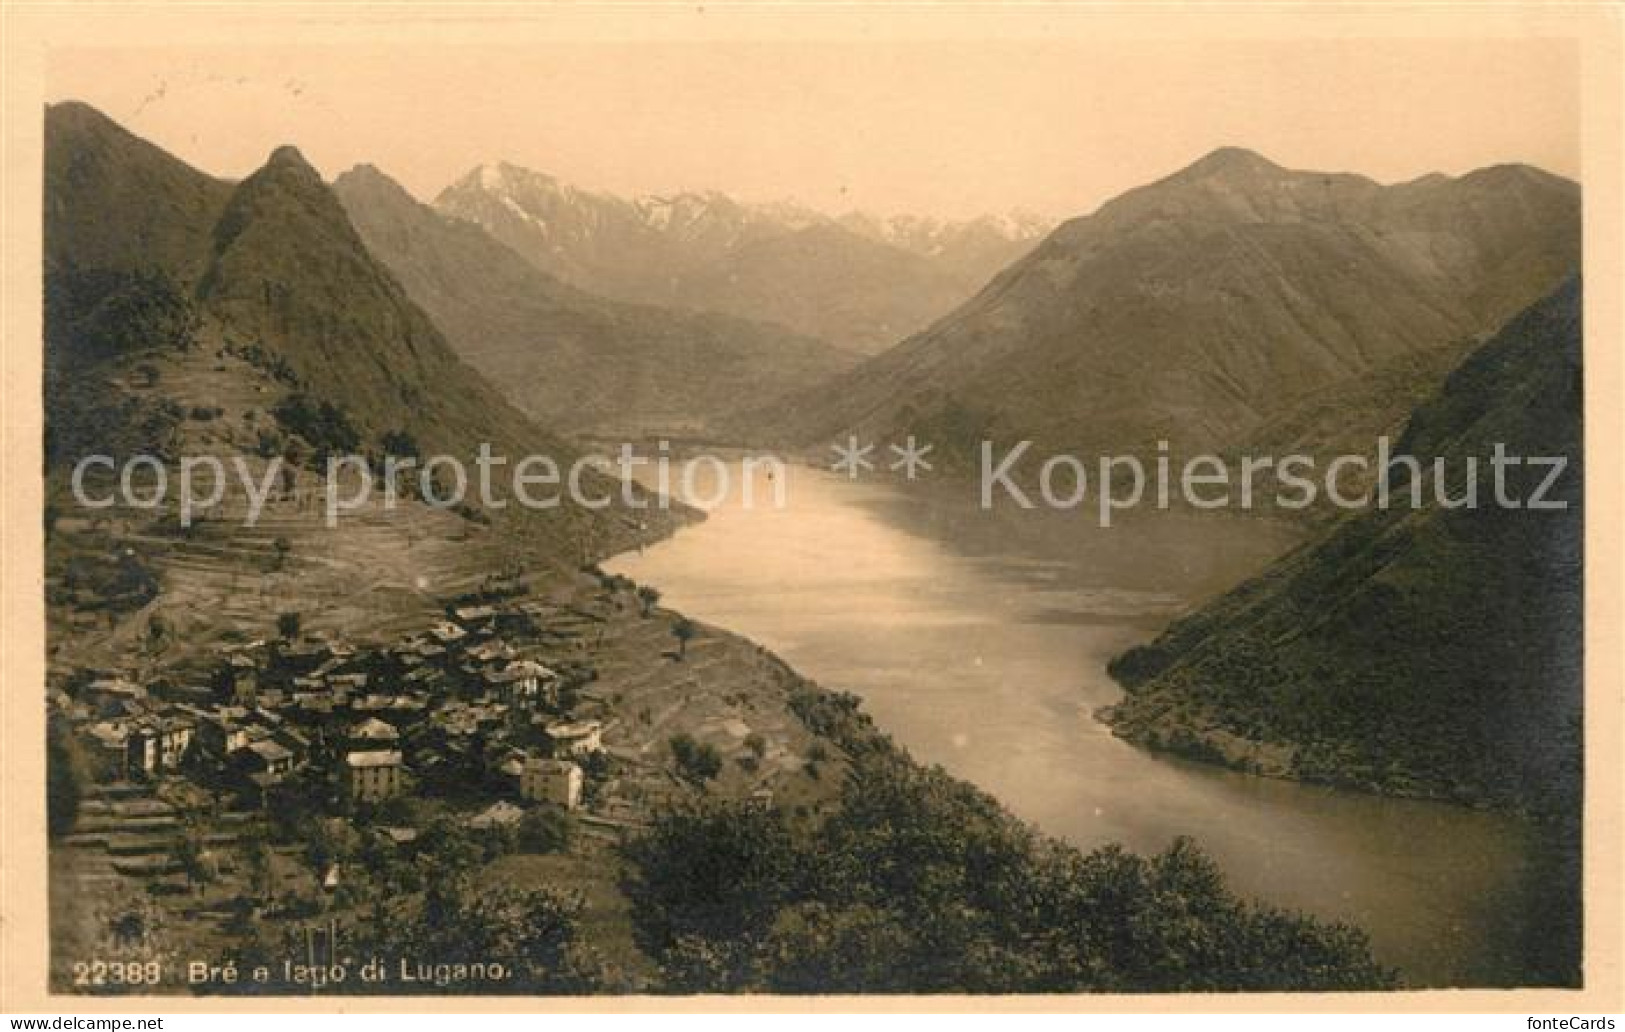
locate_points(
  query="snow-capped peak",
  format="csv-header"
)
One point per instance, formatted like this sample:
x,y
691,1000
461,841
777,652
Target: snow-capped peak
x,y
713,219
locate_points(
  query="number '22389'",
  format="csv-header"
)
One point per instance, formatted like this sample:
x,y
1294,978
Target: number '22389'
x,y
117,972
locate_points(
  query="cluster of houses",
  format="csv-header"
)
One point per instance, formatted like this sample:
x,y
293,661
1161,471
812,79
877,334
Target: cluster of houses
x,y
457,709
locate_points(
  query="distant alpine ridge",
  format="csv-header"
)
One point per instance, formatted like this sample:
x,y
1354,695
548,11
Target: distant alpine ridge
x,y
859,281
578,362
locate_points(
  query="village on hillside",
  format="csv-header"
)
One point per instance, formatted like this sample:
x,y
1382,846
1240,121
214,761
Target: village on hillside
x,y
272,792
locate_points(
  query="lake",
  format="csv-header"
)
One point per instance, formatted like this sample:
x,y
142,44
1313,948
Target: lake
x,y
979,641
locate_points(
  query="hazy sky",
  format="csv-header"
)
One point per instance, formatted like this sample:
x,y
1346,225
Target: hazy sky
x,y
947,128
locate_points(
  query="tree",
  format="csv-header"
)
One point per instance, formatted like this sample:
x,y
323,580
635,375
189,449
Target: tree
x,y
130,925
695,761
195,860
261,877
404,810
268,442
922,883
534,934
289,624
648,598
64,778
717,873
685,631
283,548
813,947
132,584
329,841
546,829
449,846
101,313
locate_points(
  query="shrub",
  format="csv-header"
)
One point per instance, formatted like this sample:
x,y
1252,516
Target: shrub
x,y
325,426
399,443
289,624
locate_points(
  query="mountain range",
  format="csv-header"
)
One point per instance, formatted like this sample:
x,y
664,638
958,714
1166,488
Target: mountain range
x,y
579,362
1234,306
860,282
1204,309
264,285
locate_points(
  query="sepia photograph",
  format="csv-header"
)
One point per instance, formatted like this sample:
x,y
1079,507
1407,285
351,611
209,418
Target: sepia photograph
x,y
956,504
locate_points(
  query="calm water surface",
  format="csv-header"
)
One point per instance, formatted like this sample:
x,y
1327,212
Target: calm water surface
x,y
979,641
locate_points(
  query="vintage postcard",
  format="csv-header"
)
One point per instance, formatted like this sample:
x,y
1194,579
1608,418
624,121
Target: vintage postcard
x,y
528,507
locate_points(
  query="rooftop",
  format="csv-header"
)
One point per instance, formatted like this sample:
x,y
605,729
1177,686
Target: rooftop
x,y
267,749
577,730
542,766
374,758
501,813
373,728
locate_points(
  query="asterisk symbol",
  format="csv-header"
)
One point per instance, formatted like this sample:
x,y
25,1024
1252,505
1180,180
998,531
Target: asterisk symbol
x,y
911,457
853,458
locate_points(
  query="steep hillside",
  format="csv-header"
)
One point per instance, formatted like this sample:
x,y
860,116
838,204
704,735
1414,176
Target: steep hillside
x,y
858,282
831,283
185,314
115,202
1199,308
575,361
127,233
289,271
1431,652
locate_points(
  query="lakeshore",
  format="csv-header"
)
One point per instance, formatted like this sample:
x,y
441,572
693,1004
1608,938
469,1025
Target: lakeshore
x,y
984,647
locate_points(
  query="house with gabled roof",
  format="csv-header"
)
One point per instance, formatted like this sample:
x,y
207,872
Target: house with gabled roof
x,y
551,781
574,739
524,684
